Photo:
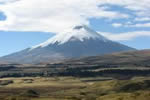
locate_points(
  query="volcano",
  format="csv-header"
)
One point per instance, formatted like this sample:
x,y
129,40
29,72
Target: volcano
x,y
79,41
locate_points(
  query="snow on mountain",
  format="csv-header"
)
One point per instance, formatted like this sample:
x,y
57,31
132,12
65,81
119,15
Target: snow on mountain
x,y
80,33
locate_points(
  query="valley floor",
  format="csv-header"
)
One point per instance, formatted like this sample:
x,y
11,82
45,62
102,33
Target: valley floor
x,y
72,88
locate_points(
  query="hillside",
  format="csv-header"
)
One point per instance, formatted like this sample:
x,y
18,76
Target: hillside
x,y
134,58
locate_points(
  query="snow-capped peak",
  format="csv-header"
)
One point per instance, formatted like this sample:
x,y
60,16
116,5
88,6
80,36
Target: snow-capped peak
x,y
76,33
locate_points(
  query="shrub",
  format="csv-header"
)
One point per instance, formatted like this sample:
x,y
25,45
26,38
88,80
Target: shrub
x,y
30,93
6,82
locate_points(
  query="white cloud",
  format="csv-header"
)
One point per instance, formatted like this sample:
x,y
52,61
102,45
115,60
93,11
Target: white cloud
x,y
116,25
139,25
142,19
57,15
125,36
6,1
142,25
52,15
139,7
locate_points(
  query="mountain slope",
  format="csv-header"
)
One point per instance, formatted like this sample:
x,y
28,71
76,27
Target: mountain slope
x,y
139,58
79,41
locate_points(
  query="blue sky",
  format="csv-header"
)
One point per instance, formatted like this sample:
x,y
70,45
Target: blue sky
x,y
21,28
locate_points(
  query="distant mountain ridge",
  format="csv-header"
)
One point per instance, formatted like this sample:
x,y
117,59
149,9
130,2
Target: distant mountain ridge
x,y
79,41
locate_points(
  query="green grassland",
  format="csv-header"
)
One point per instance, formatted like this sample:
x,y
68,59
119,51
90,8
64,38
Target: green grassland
x,y
71,88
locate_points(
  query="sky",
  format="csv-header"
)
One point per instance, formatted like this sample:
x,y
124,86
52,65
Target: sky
x,y
25,23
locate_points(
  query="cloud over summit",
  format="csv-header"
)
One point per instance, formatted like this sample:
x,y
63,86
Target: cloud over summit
x,y
52,15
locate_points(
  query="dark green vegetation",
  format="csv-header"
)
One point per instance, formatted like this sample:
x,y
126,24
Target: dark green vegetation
x,y
47,71
118,65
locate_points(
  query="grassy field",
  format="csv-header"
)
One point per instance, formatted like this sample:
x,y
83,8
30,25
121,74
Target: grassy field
x,y
71,88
